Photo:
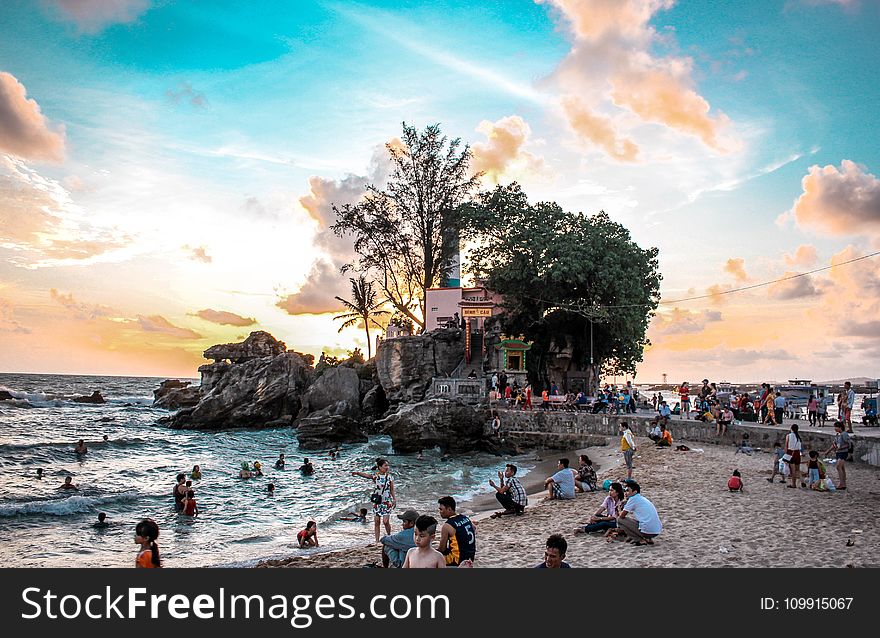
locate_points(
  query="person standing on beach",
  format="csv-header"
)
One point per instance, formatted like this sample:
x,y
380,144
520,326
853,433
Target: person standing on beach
x,y
458,542
628,447
793,449
849,403
840,447
779,407
510,492
383,497
684,397
813,410
770,407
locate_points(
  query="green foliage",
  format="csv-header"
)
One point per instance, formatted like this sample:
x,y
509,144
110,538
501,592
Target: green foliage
x,y
557,271
397,231
363,307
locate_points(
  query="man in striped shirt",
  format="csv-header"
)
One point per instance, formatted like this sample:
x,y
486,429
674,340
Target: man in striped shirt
x,y
510,493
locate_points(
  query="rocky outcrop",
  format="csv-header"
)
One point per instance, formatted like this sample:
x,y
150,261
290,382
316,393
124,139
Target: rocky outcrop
x,y
174,394
338,389
94,398
374,402
325,429
258,345
5,396
250,393
451,425
406,365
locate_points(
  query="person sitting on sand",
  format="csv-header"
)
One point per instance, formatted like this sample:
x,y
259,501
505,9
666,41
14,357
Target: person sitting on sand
x,y
654,433
245,472
68,484
356,517
423,555
605,517
80,447
554,553
735,483
665,437
189,504
510,492
279,464
561,484
396,546
585,480
307,468
258,468
308,537
102,521
196,473
638,520
457,536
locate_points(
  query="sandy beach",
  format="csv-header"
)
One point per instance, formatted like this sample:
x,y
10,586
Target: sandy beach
x,y
704,525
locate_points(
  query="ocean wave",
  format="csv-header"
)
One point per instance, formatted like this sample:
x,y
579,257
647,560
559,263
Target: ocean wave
x,y
122,442
65,506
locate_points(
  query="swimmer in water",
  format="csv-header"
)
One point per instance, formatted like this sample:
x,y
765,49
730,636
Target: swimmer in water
x,y
271,489
307,468
279,464
196,473
356,517
39,473
258,468
106,439
81,447
68,484
245,472
308,537
102,521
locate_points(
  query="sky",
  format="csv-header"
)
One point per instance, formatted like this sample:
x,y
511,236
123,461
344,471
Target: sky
x,y
167,167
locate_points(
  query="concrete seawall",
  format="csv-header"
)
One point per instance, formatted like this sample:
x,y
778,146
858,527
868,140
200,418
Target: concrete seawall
x,y
561,429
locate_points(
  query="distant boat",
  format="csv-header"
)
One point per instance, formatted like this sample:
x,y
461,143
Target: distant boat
x,y
799,391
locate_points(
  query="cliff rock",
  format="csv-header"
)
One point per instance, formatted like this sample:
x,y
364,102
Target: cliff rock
x,y
451,425
406,365
339,387
174,394
324,429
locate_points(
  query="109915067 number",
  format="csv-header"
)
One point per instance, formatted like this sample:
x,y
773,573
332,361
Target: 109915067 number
x,y
822,603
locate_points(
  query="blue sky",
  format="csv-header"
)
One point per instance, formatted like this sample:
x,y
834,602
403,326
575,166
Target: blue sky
x,y
192,131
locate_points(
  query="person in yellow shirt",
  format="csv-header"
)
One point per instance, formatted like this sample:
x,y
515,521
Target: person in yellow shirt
x,y
628,447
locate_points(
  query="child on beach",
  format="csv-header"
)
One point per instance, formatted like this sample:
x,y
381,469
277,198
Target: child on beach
x,y
145,534
189,504
308,537
356,517
735,483
815,472
423,555
778,453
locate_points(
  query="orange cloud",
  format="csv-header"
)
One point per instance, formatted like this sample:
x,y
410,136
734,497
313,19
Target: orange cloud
x,y
805,255
79,309
24,131
317,294
157,323
678,321
717,293
736,267
199,253
92,16
844,201
504,148
225,318
7,319
599,130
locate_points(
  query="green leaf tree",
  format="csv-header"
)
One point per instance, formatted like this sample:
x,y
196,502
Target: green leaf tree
x,y
398,231
559,273
362,307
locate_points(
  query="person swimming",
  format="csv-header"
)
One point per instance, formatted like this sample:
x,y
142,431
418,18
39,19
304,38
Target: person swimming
x,y
39,473
245,472
81,447
307,468
102,521
279,464
271,489
68,484
258,468
196,473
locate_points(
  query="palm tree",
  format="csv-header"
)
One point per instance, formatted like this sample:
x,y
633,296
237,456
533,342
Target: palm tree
x,y
362,307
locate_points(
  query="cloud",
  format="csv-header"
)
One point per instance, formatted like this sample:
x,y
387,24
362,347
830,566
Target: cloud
x,y
612,61
843,202
869,329
317,294
186,93
7,319
717,292
736,267
599,130
157,323
793,288
199,253
42,225
24,131
79,309
504,148
805,255
678,321
91,16
225,318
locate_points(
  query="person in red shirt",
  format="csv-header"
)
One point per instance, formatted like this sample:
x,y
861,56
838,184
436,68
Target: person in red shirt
x,y
684,398
308,537
734,483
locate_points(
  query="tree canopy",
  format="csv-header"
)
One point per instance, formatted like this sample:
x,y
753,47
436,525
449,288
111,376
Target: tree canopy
x,y
557,271
398,231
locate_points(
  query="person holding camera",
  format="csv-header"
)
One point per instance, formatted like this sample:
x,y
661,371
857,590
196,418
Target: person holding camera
x,y
382,498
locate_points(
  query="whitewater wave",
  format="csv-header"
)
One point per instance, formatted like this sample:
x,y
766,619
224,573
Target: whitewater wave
x,y
65,506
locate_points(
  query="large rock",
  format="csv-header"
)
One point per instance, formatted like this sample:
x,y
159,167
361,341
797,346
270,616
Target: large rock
x,y
374,402
253,393
325,430
94,398
406,365
451,425
5,396
258,345
174,394
335,387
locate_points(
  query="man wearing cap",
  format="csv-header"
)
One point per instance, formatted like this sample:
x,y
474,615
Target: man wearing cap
x,y
395,546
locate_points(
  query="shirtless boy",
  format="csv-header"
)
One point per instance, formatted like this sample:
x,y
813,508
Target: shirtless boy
x,y
423,555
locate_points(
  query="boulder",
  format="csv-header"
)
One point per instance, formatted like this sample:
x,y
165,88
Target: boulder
x,y
94,398
5,396
324,430
374,402
250,394
451,425
174,394
406,365
258,345
339,387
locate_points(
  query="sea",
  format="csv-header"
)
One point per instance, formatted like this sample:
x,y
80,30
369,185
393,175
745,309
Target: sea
x,y
131,476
